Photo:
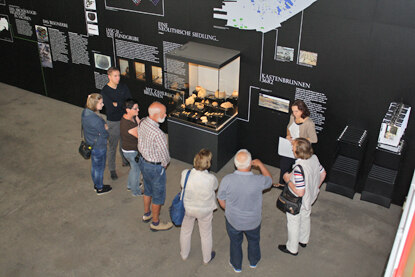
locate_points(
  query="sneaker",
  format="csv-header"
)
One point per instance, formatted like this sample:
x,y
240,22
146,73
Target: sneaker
x,y
104,190
147,218
234,269
114,175
212,256
252,266
104,186
161,226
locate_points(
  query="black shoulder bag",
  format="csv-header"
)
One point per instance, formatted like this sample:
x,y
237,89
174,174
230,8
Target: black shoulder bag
x,y
84,149
287,202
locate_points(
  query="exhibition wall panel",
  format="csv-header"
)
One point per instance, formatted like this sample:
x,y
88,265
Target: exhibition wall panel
x,y
347,59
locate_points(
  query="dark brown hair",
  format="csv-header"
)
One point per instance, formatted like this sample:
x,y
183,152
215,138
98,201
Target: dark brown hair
x,y
302,107
303,148
202,160
112,69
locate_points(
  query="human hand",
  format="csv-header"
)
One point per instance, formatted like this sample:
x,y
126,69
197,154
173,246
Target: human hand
x,y
137,119
256,163
290,138
286,177
115,104
106,127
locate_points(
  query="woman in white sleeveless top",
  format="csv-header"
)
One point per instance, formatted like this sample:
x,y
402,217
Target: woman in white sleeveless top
x,y
304,181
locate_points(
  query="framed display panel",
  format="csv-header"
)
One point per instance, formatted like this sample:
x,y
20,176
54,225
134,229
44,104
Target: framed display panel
x,y
273,103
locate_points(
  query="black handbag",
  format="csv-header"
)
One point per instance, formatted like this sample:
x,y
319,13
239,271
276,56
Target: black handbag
x,y
84,149
287,202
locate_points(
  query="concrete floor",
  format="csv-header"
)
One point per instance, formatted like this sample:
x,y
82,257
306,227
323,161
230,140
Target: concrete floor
x,y
53,224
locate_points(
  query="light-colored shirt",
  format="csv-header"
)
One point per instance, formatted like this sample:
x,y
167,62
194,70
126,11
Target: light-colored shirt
x,y
152,142
310,182
242,192
294,130
199,197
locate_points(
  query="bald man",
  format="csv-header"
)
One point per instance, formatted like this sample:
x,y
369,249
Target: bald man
x,y
154,158
240,195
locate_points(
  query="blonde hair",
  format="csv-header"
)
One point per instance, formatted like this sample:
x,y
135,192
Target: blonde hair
x,y
92,101
202,160
303,148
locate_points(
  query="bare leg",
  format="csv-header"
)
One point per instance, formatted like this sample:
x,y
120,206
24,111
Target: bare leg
x,y
156,212
147,202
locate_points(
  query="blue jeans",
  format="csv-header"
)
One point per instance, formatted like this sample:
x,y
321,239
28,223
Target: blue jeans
x,y
236,238
154,181
134,174
98,158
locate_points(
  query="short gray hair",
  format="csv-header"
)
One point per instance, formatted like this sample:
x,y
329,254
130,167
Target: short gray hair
x,y
154,109
245,163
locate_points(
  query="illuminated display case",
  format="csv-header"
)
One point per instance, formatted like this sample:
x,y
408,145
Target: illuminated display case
x,y
206,81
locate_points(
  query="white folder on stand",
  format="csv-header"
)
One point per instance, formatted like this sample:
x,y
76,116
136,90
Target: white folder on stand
x,y
285,148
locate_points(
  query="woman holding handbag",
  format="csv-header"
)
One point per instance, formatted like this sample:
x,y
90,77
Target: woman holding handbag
x,y
304,181
199,203
96,135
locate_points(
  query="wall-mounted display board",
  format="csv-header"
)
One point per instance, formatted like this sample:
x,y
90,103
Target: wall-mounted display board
x,y
346,59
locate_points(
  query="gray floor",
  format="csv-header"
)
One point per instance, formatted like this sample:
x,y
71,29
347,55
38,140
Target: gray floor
x,y
53,224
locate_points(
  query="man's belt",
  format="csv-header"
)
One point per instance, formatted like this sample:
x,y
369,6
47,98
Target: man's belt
x,y
158,163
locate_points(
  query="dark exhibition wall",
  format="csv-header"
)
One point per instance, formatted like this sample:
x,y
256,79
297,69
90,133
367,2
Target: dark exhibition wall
x,y
347,59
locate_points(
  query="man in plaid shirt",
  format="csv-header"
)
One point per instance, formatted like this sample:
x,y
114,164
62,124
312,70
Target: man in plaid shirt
x,y
154,158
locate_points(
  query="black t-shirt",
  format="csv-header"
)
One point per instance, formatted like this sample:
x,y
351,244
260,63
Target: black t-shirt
x,y
129,142
119,95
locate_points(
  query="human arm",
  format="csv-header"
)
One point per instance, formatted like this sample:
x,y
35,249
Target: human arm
x,y
133,132
222,203
322,175
161,143
261,166
222,193
288,128
309,130
297,186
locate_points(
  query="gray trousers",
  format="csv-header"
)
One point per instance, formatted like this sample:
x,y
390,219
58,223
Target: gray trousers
x,y
114,137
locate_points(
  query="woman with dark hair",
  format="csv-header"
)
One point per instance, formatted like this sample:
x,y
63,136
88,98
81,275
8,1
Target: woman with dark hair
x,y
96,135
304,181
300,126
129,139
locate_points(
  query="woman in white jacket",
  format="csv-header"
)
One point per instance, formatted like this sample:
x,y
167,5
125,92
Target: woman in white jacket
x,y
199,202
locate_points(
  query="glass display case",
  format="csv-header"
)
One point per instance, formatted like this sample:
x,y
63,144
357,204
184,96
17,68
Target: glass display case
x,y
206,81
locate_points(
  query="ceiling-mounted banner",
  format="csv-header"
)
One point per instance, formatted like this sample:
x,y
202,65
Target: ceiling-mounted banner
x,y
259,15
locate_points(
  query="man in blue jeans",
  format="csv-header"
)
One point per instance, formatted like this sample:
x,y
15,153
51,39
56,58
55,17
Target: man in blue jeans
x,y
240,195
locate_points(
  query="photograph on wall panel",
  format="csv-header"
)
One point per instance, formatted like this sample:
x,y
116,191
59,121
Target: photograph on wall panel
x,y
5,28
307,58
45,55
153,7
90,5
102,61
157,75
274,103
124,68
42,33
140,71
